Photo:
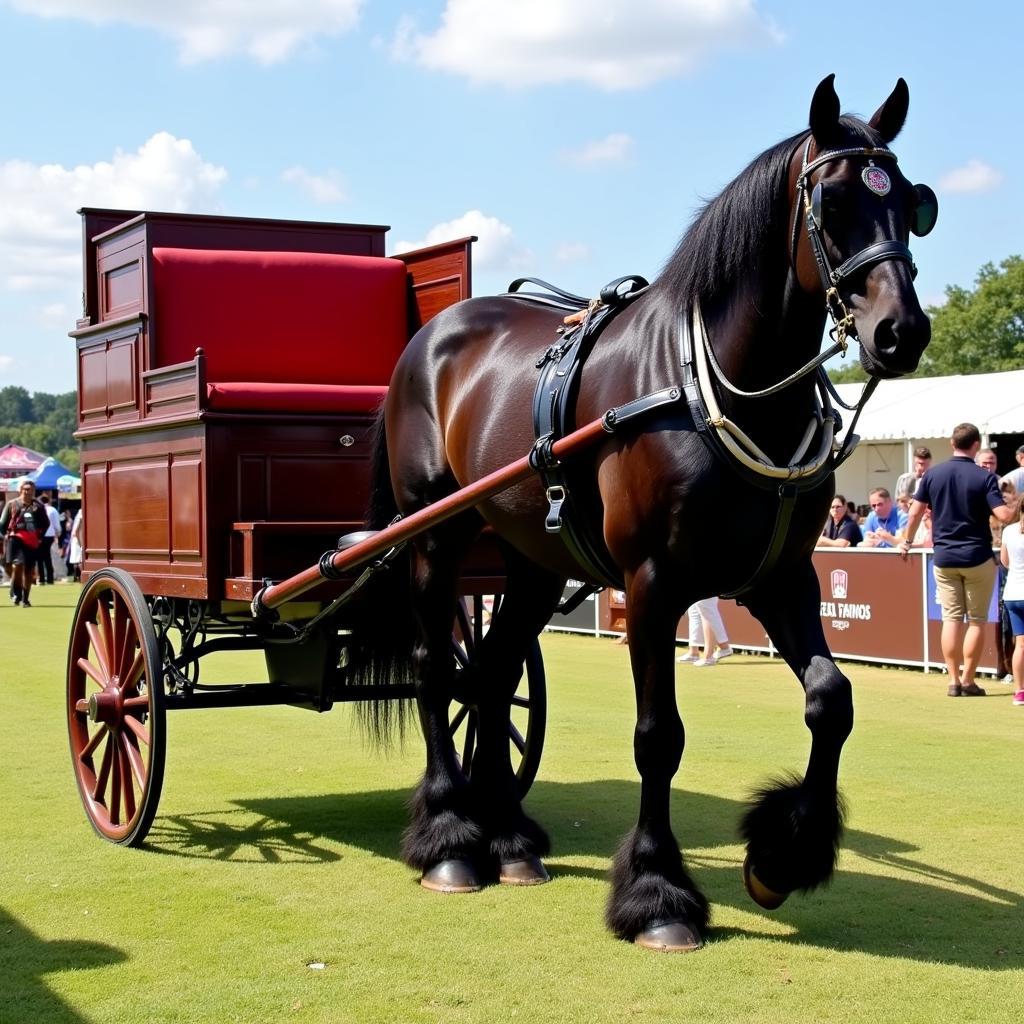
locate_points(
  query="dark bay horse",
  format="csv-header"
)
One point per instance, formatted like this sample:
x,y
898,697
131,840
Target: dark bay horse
x,y
678,521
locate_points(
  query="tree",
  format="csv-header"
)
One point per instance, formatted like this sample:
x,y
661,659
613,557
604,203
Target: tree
x,y
979,330
15,406
850,372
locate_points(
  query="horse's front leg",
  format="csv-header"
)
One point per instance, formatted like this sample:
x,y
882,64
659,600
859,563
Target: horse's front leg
x,y
654,901
794,826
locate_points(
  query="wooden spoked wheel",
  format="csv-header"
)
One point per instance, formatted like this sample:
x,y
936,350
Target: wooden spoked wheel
x,y
115,704
529,712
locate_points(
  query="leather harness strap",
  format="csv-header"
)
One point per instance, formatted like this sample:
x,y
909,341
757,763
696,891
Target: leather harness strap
x,y
554,416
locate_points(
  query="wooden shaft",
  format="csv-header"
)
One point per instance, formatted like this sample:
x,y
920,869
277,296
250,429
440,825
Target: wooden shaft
x,y
494,483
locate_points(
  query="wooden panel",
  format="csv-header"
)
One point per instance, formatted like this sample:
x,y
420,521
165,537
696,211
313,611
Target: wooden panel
x,y
108,363
252,487
172,390
149,485
92,384
140,505
96,513
122,379
121,276
439,276
186,501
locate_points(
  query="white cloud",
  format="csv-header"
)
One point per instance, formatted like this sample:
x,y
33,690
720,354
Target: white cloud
x,y
572,252
40,233
612,149
496,249
321,188
617,44
55,314
266,30
6,363
974,176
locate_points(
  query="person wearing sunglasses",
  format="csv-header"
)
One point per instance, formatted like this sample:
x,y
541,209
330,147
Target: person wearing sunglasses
x,y
840,530
884,521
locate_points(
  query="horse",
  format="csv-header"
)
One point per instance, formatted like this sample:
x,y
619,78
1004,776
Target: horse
x,y
817,224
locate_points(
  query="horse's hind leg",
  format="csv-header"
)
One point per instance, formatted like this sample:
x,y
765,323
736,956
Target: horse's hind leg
x,y
654,901
794,826
444,839
516,842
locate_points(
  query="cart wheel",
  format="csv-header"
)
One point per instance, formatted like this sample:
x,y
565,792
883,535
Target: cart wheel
x,y
528,720
116,708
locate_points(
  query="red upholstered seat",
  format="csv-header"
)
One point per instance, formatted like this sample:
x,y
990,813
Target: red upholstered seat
x,y
282,331
251,396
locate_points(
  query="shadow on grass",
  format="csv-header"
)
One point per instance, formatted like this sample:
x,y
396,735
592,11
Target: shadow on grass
x,y
25,958
924,913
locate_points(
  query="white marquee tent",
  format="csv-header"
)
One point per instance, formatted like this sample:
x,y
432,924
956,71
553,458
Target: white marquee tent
x,y
905,413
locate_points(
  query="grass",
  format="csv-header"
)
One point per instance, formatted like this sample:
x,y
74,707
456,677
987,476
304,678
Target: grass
x,y
275,852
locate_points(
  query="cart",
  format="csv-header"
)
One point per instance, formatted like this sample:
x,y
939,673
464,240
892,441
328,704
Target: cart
x,y
229,373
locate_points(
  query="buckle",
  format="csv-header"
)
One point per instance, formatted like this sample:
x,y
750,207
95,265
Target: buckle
x,y
557,496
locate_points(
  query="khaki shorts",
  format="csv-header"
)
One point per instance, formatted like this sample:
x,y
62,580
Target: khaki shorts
x,y
965,591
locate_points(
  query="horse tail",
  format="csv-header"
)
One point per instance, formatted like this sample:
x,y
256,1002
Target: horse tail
x,y
380,651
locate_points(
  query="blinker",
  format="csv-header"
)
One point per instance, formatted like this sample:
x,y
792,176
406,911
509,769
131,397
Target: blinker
x,y
926,210
816,206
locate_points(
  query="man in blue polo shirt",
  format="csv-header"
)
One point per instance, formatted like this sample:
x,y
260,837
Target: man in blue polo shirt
x,y
962,496
884,521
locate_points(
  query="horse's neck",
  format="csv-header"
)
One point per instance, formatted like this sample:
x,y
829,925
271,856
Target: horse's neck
x,y
758,342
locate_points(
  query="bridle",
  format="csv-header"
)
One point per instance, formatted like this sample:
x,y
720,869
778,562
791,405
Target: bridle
x,y
730,435
833,277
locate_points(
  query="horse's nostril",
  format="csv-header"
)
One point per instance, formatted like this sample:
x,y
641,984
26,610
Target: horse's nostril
x,y
886,337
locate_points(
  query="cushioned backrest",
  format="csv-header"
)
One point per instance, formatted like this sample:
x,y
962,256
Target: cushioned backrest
x,y
288,317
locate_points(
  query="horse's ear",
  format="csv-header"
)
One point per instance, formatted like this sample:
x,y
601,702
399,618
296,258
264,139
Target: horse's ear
x,y
824,117
888,119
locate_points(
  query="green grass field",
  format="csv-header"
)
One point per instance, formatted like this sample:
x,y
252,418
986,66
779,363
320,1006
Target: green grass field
x,y
270,888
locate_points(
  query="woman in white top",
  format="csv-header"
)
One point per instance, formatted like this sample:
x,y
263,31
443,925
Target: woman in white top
x,y
1011,554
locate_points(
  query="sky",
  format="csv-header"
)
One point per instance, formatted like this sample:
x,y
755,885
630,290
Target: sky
x,y
576,138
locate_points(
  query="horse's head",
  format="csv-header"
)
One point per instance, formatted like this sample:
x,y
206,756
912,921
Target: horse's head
x,y
853,216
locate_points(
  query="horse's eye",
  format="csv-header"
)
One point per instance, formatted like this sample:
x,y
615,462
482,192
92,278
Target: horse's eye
x,y
925,212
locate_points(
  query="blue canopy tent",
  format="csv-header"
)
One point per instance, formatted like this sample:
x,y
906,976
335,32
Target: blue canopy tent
x,y
46,476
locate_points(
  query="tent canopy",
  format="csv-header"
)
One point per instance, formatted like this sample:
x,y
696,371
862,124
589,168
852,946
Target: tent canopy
x,y
933,406
47,475
16,460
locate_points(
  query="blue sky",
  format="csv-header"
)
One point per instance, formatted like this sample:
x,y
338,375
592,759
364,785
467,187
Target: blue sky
x,y
576,137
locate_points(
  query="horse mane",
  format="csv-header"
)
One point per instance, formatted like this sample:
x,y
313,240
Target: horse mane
x,y
726,241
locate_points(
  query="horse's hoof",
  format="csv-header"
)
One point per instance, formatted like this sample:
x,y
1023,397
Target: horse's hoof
x,y
453,875
758,891
530,871
670,937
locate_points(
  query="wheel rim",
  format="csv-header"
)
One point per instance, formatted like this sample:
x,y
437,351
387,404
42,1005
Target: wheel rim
x,y
528,714
115,708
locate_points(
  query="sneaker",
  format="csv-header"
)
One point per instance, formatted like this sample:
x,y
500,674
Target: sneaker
x,y
724,652
1018,697
705,662
26,603
687,659
1008,679
954,690
971,690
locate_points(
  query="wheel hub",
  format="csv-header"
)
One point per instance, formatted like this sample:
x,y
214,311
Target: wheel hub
x,y
106,706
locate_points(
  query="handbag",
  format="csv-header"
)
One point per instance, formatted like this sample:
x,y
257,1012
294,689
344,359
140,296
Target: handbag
x,y
28,537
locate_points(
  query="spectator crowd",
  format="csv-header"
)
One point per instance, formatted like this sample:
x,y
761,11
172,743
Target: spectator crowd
x,y
963,512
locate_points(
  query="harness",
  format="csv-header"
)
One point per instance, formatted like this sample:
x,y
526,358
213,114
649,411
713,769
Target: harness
x,y
554,401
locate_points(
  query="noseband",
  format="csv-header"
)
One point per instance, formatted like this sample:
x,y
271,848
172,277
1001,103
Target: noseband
x,y
833,277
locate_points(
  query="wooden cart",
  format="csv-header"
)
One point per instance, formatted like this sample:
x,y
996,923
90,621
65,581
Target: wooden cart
x,y
229,373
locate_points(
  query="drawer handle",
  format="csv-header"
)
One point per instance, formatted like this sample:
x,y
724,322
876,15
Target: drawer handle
x,y
346,440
